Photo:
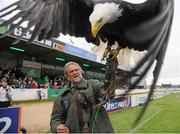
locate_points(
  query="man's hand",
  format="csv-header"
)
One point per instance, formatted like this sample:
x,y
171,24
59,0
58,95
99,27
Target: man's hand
x,y
62,129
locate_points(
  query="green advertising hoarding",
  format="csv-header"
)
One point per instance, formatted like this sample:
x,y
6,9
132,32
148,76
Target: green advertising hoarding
x,y
53,93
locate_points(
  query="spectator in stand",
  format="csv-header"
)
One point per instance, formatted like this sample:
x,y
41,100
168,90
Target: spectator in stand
x,y
13,83
55,85
21,83
12,76
34,84
5,94
1,73
46,85
28,82
24,81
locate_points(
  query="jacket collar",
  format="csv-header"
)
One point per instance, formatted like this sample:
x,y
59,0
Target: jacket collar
x,y
82,84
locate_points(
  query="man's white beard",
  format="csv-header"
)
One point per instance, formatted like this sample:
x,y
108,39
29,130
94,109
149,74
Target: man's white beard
x,y
78,79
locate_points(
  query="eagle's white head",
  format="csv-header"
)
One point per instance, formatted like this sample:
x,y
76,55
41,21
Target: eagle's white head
x,y
104,13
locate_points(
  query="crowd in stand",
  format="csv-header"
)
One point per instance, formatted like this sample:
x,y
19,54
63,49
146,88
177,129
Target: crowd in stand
x,y
17,79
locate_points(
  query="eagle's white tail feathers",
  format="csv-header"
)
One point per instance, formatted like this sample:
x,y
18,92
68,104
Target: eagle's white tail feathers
x,y
124,58
127,58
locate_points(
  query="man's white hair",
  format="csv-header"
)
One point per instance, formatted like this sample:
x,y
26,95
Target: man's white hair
x,y
71,63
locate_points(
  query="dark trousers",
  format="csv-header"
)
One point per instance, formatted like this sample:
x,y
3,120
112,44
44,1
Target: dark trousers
x,y
5,104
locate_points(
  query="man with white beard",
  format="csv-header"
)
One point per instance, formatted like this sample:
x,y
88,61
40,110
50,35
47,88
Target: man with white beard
x,y
73,110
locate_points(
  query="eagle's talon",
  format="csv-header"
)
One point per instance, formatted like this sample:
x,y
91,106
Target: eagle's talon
x,y
113,55
102,59
106,52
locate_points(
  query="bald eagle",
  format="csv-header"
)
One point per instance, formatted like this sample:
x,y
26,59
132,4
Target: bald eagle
x,y
142,26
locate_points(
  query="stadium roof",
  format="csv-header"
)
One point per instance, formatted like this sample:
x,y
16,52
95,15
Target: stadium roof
x,y
46,54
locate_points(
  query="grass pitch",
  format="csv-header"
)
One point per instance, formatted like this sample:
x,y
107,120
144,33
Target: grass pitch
x,y
161,116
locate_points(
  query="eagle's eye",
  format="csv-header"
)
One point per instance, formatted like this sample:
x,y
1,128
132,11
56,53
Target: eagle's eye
x,y
100,20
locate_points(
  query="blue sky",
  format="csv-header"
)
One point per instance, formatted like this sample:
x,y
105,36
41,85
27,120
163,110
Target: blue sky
x,y
170,72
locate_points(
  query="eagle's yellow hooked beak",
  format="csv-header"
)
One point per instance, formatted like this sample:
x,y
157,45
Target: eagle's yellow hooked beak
x,y
95,27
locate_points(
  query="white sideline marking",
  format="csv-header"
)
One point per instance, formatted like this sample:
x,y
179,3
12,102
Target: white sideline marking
x,y
148,119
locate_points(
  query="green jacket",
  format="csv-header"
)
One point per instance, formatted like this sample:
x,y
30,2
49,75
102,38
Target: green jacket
x,y
64,113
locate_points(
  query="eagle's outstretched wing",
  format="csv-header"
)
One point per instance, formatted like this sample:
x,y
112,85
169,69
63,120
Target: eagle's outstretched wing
x,y
51,17
144,26
156,31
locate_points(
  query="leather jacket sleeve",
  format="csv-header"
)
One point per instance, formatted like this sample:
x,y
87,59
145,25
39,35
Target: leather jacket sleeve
x,y
57,115
99,89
